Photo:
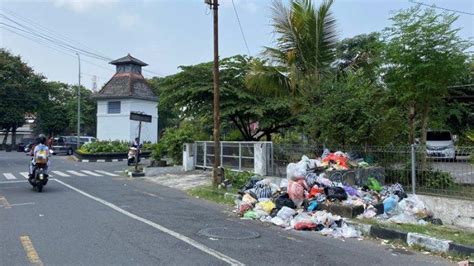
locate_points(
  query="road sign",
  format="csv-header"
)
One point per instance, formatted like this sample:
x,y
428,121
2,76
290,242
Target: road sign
x,y
140,117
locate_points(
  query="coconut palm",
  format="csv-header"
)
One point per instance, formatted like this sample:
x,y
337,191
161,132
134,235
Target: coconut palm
x,y
304,50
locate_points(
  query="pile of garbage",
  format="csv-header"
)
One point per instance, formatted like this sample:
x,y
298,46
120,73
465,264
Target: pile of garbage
x,y
302,200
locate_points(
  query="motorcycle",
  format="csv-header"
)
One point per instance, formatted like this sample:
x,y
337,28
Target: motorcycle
x,y
132,156
40,176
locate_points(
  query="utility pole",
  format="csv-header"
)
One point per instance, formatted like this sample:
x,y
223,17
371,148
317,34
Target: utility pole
x,y
79,104
217,120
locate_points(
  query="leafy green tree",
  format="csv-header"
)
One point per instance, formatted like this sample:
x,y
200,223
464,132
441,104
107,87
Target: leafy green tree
x,y
168,115
424,56
355,111
254,115
21,92
88,111
51,115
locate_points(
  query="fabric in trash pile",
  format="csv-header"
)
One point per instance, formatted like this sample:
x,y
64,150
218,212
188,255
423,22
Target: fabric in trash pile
x,y
295,202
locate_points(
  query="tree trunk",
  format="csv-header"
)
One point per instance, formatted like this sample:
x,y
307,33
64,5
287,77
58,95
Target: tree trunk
x,y
14,135
4,142
424,128
269,136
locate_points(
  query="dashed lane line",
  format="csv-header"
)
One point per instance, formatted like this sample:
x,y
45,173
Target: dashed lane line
x,y
30,251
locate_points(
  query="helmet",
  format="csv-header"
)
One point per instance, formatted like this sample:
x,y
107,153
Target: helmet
x,y
42,139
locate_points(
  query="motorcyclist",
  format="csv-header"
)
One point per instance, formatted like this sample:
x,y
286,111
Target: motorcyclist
x,y
40,152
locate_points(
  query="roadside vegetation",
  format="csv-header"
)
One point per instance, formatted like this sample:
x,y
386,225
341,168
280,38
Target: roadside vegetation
x,y
457,235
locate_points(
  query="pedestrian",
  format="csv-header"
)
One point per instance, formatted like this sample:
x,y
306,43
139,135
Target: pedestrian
x,y
50,142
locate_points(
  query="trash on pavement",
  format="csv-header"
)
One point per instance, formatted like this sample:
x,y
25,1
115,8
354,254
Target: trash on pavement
x,y
311,199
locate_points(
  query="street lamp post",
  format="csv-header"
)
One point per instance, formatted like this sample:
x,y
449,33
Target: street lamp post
x,y
79,103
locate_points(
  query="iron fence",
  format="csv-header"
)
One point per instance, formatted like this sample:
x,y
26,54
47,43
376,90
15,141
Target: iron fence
x,y
425,170
235,155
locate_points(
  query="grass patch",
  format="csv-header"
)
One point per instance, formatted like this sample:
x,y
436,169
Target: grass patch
x,y
213,194
439,231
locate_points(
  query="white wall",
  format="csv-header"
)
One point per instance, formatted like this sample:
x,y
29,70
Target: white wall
x,y
119,126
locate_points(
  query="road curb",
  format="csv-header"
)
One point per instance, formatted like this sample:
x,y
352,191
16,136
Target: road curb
x,y
98,160
410,238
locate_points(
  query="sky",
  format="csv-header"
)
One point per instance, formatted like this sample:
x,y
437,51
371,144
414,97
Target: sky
x,y
169,33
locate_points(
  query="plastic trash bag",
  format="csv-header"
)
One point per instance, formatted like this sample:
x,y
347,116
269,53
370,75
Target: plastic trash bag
x,y
267,206
351,191
286,213
323,180
279,221
284,201
262,190
302,217
313,205
305,226
284,183
336,193
311,179
250,215
315,191
414,206
250,184
349,231
244,207
247,198
374,185
295,192
295,171
403,218
390,204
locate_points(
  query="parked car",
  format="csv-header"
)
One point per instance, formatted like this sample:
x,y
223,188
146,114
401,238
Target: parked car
x,y
68,144
440,144
24,143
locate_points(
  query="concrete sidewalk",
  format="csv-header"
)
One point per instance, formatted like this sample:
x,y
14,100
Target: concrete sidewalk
x,y
176,177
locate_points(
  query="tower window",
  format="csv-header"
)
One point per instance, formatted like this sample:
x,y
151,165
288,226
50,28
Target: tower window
x,y
113,107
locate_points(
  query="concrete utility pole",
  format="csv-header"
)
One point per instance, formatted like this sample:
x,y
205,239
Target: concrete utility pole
x,y
217,120
79,104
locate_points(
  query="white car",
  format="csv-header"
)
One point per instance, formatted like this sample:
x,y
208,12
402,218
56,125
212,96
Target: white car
x,y
440,144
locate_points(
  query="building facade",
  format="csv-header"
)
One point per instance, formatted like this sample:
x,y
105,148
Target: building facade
x,y
127,91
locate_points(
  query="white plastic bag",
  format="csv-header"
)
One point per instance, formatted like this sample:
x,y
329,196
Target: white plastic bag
x,y
286,213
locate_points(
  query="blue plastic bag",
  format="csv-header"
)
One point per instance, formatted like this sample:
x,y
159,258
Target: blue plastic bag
x,y
389,204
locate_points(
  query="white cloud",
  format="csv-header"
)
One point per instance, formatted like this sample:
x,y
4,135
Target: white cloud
x,y
129,21
83,5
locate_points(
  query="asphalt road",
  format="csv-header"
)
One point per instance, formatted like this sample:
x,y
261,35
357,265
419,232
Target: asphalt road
x,y
113,220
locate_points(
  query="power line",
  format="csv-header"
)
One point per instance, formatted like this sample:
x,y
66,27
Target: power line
x,y
240,26
445,9
61,42
40,27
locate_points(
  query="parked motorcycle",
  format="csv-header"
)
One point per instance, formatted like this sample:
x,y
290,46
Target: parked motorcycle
x,y
132,156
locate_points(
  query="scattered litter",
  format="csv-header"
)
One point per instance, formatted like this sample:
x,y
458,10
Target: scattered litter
x,y
315,196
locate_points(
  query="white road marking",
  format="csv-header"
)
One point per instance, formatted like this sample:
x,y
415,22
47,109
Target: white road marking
x,y
23,204
14,181
24,174
105,173
75,173
61,173
90,173
9,176
163,229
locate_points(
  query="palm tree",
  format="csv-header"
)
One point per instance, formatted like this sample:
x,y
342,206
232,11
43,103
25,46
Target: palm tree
x,y
305,43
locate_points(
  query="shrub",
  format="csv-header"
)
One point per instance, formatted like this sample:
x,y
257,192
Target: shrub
x,y
157,152
238,179
435,180
104,146
173,140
